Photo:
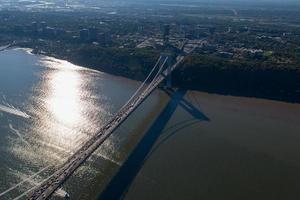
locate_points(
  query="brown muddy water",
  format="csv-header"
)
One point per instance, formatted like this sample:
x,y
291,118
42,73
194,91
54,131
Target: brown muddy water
x,y
223,147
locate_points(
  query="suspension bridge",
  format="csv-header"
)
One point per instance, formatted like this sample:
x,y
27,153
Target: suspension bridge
x,y
158,74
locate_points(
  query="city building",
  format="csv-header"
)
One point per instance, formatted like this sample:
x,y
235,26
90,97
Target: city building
x,y
49,32
166,33
93,34
84,35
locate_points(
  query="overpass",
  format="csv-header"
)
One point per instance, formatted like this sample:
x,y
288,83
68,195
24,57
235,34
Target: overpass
x,y
158,74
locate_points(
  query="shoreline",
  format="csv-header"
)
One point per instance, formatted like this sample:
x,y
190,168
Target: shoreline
x,y
177,83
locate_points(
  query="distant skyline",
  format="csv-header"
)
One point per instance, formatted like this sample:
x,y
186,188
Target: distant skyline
x,y
86,4
208,1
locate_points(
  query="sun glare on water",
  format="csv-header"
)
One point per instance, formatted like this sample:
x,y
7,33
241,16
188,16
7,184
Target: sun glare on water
x,y
64,99
64,106
64,90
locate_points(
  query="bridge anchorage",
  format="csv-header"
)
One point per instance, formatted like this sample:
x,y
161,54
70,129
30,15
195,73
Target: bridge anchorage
x,y
159,73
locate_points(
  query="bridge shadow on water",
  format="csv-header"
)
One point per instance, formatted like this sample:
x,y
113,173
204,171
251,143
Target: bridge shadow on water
x,y
121,182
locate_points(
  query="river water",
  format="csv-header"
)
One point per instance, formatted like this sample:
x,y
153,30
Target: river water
x,y
48,108
177,145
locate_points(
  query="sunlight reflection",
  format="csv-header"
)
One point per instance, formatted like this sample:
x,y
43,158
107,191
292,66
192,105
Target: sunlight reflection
x,y
66,108
64,101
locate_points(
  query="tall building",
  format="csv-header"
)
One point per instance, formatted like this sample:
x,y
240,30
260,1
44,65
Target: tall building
x,y
104,39
34,27
49,32
84,35
43,25
166,33
93,34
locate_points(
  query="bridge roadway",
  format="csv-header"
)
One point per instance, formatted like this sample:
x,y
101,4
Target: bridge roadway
x,y
49,186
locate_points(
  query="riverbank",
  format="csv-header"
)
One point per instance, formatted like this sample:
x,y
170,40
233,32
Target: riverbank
x,y
240,78
198,72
